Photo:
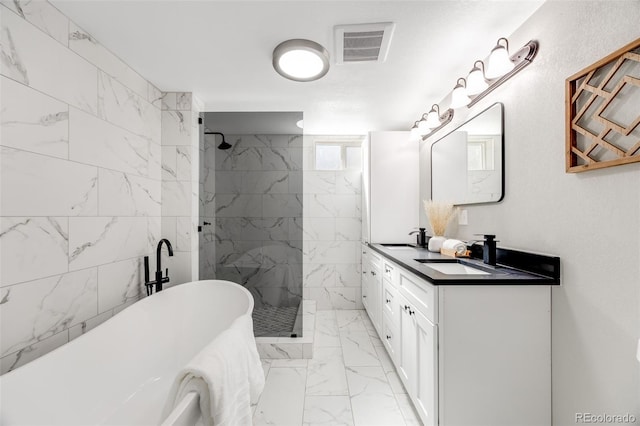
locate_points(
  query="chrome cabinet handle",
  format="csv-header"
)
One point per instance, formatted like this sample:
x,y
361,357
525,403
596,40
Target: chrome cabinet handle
x,y
388,300
388,337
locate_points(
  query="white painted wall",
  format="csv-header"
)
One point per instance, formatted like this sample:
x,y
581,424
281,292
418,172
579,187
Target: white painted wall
x,y
591,220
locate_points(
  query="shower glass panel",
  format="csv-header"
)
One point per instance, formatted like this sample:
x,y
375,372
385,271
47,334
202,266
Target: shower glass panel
x,y
251,212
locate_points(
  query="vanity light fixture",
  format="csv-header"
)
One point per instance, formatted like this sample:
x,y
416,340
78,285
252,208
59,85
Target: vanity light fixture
x,y
459,96
476,82
499,60
483,80
431,122
301,60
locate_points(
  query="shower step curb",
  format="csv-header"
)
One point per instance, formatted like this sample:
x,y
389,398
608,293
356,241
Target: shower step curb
x,y
292,347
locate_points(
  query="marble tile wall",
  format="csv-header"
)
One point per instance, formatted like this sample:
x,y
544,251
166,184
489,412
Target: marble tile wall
x,y
256,207
331,236
80,181
180,177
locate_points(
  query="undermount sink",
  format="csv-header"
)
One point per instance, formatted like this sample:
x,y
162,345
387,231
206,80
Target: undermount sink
x,y
452,267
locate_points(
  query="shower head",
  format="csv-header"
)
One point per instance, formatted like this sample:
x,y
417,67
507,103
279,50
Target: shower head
x,y
224,144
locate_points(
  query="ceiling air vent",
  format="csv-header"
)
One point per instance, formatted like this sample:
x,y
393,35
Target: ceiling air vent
x,y
363,42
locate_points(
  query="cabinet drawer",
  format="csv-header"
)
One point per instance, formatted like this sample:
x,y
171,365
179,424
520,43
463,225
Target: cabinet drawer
x,y
390,272
420,293
390,305
390,337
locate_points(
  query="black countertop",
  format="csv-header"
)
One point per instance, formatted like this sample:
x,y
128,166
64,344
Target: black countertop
x,y
513,267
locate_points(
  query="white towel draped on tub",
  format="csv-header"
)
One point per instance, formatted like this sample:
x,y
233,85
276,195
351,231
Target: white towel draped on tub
x,y
226,374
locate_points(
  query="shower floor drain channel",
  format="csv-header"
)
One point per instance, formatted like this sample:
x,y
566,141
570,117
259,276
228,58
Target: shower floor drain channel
x,y
274,321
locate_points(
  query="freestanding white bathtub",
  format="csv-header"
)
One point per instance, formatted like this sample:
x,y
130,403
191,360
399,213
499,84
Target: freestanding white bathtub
x,y
120,372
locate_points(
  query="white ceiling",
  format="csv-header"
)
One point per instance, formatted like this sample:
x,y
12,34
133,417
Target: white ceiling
x,y
221,51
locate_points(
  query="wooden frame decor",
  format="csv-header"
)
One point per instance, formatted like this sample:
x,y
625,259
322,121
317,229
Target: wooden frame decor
x,y
603,112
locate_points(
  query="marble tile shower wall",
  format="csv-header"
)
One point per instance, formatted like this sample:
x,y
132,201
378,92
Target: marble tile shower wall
x,y
180,176
257,205
80,181
332,234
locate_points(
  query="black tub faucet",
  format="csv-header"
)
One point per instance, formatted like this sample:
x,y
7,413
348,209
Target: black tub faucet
x,y
159,278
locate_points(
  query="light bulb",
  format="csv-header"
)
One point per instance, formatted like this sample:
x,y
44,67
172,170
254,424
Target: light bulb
x,y
499,61
433,120
475,81
415,133
423,129
459,96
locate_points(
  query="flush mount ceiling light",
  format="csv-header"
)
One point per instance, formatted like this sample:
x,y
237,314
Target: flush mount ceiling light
x,y
301,60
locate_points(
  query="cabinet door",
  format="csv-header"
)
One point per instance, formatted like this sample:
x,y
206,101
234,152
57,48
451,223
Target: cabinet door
x,y
406,359
390,304
425,391
390,337
365,278
375,297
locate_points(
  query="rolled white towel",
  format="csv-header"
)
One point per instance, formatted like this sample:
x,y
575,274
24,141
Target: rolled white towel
x,y
457,245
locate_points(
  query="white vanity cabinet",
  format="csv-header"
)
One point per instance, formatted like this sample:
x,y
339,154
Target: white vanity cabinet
x,y
390,187
417,366
467,354
372,285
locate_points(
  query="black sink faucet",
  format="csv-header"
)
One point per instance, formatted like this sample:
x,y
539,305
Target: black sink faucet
x,y
159,279
489,249
421,238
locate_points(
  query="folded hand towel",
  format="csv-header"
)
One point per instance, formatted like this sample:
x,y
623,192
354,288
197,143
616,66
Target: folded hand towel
x,y
457,245
227,375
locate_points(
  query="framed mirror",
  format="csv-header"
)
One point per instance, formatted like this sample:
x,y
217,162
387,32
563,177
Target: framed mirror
x,y
467,164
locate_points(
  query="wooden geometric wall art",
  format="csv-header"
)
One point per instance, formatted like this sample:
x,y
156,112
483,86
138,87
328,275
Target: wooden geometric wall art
x,y
603,112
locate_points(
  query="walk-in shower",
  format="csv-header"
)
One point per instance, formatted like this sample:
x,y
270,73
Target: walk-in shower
x,y
251,194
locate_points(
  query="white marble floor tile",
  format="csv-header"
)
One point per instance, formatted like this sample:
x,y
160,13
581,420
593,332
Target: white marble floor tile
x,y
327,410
350,320
282,401
385,360
325,374
372,400
408,411
357,349
326,333
302,363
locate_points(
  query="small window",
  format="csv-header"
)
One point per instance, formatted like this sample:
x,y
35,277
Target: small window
x,y
328,157
336,155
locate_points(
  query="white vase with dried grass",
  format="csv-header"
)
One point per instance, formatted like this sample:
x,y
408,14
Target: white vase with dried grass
x,y
439,215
